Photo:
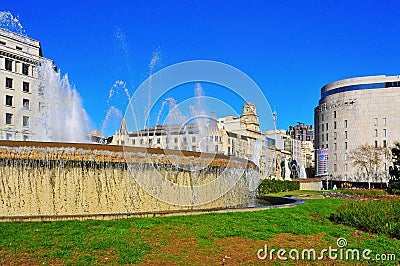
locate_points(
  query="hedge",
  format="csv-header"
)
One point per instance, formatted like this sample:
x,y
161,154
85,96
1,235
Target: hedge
x,y
275,186
394,188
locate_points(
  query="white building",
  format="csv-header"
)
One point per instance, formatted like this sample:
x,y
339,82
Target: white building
x,y
19,56
233,136
287,150
353,112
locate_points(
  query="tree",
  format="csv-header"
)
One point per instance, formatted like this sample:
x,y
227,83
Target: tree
x,y
369,159
394,170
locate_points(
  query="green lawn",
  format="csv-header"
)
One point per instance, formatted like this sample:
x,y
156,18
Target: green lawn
x,y
214,239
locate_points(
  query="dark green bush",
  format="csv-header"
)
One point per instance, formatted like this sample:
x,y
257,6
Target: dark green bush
x,y
377,216
275,186
394,188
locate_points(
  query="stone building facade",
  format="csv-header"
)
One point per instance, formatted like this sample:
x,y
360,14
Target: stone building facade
x,y
19,56
353,112
233,136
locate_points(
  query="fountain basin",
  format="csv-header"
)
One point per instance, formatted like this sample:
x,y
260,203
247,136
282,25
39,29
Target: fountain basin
x,y
45,180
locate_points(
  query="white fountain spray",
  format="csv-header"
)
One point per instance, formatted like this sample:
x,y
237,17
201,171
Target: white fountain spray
x,y
60,114
11,23
118,96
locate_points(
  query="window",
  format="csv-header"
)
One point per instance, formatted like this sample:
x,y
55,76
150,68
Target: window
x,y
327,136
345,145
25,121
322,117
334,114
384,133
375,121
9,118
25,86
133,142
18,48
322,137
25,104
158,140
384,143
141,141
323,127
26,138
335,168
334,125
25,69
335,157
345,134
2,43
9,100
376,133
9,83
346,167
334,135
335,146
8,65
193,148
376,144
345,156
176,140
384,121
327,146
216,138
345,123
216,148
193,139
326,126
8,136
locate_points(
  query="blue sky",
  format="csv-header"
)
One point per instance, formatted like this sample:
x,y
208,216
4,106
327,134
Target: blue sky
x,y
289,48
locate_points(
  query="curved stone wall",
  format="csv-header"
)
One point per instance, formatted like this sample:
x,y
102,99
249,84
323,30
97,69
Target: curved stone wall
x,y
45,180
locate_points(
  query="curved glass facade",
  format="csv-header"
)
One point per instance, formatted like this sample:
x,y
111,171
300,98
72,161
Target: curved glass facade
x,y
361,87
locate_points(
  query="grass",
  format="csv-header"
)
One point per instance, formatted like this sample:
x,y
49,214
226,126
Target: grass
x,y
215,238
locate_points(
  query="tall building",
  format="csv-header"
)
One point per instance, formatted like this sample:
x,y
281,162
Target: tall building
x,y
301,132
19,56
353,112
305,134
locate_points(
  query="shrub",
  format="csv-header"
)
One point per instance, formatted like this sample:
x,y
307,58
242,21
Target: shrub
x,y
365,192
394,188
377,216
275,186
